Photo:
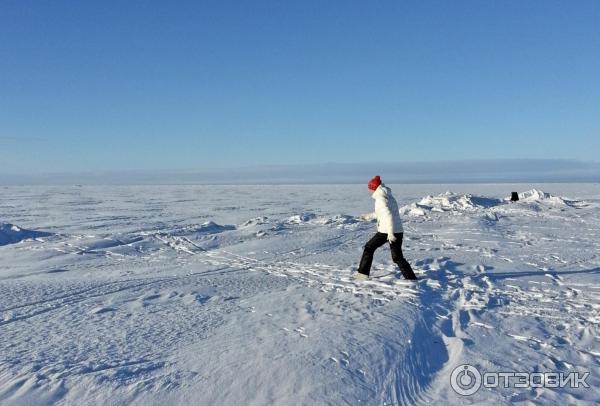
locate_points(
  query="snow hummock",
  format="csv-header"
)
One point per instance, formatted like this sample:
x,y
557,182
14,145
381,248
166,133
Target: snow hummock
x,y
10,234
539,196
256,221
339,219
208,227
458,204
534,195
312,218
301,218
448,202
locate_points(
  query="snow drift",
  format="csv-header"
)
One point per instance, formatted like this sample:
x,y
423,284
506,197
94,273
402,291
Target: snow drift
x,y
11,234
454,203
312,218
208,227
449,202
539,196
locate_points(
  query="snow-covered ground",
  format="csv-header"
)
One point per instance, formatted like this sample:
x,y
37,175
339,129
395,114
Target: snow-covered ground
x,y
236,295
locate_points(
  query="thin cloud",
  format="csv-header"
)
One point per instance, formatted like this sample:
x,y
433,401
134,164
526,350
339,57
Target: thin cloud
x,y
490,171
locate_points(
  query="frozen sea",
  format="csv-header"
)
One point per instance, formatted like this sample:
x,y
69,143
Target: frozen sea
x,y
235,295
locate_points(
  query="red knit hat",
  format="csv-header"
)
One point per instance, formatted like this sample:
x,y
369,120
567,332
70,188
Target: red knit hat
x,y
374,183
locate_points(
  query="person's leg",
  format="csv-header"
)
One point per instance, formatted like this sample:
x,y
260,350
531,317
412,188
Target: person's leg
x,y
398,257
367,257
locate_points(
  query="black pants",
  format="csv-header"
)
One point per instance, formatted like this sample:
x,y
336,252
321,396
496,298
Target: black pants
x,y
396,247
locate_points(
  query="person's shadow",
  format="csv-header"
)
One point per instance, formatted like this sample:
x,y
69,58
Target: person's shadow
x,y
437,338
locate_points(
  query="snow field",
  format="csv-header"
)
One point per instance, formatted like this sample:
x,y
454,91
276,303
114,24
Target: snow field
x,y
245,295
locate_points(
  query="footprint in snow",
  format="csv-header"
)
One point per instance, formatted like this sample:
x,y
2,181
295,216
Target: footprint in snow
x,y
300,330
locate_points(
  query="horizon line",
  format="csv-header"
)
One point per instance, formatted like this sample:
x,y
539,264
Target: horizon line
x,y
441,172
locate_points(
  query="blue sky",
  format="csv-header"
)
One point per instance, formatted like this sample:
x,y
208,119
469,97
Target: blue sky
x,y
156,85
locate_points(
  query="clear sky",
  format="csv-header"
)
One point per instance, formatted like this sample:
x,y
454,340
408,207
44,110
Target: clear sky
x,y
136,85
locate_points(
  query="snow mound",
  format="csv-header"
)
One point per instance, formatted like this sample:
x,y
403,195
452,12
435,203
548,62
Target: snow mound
x,y
539,196
413,210
11,234
448,202
301,218
209,227
340,219
256,221
311,218
184,239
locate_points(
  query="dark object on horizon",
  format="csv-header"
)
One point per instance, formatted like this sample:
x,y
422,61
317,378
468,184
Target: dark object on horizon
x,y
514,197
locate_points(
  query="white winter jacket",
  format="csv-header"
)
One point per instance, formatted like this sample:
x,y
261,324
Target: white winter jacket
x,y
386,211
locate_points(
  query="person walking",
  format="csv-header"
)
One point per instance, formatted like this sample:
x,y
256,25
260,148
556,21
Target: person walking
x,y
389,229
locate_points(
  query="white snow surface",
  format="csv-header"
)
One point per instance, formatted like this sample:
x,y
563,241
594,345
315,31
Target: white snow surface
x,y
235,295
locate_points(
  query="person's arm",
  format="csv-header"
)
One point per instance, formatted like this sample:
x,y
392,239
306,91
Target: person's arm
x,y
368,216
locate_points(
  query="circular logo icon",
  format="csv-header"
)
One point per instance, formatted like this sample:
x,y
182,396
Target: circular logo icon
x,y
465,380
